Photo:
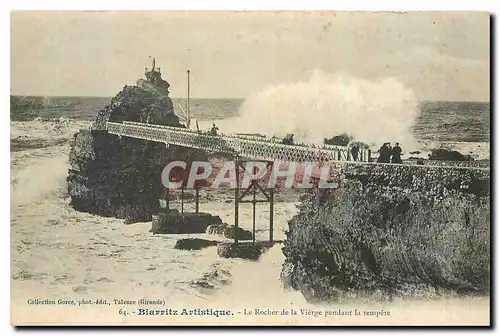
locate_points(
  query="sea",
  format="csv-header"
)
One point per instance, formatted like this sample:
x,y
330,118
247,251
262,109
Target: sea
x,y
437,120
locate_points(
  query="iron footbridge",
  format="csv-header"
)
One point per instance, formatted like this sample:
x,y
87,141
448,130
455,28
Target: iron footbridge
x,y
244,146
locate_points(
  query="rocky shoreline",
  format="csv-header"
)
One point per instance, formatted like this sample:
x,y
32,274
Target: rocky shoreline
x,y
388,229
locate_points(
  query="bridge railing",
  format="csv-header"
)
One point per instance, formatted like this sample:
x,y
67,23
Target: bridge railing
x,y
257,148
240,136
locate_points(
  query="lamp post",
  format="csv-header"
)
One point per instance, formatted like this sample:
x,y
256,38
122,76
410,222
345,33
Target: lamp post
x,y
187,109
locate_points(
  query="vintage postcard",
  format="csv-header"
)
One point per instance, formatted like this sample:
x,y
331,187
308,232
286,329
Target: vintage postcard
x,y
190,168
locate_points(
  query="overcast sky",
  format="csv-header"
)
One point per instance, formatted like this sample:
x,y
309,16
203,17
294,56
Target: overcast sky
x,y
440,56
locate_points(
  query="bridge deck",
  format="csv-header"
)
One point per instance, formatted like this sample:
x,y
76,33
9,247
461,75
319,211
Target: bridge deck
x,y
252,147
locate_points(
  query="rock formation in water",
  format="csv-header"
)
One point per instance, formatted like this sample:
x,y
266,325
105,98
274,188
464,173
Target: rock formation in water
x,y
230,231
243,250
391,231
121,177
194,244
448,155
339,140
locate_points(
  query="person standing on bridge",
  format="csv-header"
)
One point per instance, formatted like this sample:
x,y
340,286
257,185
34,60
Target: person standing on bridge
x,y
288,140
384,153
396,154
214,129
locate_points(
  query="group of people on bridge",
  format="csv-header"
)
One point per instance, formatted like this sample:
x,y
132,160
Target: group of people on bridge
x,y
388,154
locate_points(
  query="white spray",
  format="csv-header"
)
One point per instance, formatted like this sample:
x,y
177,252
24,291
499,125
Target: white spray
x,y
371,111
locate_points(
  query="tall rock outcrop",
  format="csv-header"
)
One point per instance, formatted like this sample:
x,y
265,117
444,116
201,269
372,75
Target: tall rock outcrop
x,y
392,231
121,177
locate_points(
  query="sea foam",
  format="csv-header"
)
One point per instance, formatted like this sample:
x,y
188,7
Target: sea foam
x,y
372,111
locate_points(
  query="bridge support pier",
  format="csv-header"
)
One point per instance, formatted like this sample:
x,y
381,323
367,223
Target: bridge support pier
x,y
182,199
255,189
236,200
271,214
167,199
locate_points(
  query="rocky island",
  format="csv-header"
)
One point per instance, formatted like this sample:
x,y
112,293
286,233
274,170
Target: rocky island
x,y
121,177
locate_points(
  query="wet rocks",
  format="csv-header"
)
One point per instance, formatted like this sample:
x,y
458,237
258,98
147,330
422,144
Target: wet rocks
x,y
119,176
391,230
448,155
340,140
230,231
180,223
214,278
244,250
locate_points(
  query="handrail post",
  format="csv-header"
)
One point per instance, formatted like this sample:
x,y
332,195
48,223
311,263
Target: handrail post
x,y
236,201
197,199
271,214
